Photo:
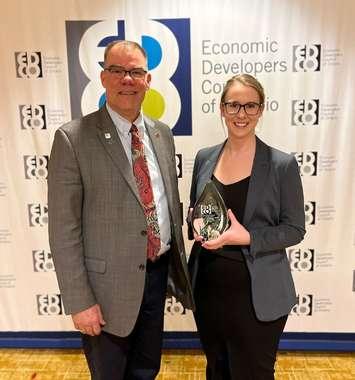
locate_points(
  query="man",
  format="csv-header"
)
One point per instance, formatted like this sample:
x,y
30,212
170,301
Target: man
x,y
115,223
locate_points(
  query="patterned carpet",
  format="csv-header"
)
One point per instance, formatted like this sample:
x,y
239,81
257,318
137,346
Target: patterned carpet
x,y
26,364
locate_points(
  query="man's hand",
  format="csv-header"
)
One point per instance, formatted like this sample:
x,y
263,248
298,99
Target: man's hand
x,y
236,234
89,321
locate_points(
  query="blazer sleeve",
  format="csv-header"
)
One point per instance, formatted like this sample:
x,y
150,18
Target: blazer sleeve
x,y
65,201
190,233
290,228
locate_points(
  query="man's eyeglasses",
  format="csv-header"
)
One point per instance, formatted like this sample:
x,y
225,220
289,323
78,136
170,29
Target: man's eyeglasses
x,y
120,72
251,108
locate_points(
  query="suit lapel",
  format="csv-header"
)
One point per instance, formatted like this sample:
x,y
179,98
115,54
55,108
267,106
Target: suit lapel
x,y
207,169
258,177
162,156
108,136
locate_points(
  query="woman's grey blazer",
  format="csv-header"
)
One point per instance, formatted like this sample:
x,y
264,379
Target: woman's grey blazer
x,y
274,217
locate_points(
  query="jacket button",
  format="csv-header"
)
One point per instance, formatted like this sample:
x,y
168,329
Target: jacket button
x,y
143,232
141,267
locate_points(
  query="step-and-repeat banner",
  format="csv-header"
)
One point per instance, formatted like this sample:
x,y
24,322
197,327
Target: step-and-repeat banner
x,y
301,51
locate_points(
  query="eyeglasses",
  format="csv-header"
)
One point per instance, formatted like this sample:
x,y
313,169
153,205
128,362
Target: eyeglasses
x,y
251,108
120,72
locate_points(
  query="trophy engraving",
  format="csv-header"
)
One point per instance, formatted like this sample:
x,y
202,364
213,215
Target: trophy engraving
x,y
209,216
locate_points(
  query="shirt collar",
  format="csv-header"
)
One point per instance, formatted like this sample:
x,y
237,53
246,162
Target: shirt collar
x,y
122,125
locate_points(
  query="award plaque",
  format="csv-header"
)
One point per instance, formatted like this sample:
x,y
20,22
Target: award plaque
x,y
209,217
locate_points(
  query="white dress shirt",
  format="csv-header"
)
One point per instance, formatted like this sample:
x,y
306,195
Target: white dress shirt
x,y
123,127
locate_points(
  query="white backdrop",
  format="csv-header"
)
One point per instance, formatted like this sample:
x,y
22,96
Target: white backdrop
x,y
303,53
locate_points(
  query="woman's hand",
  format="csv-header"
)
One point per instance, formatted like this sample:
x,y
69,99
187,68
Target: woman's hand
x,y
235,235
196,236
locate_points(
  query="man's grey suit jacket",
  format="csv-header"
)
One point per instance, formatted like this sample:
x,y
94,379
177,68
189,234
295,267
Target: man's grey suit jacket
x,y
274,216
97,227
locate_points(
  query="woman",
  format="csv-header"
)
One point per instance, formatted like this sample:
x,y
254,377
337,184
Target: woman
x,y
242,281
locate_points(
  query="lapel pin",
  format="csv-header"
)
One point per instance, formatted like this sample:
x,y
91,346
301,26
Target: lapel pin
x,y
107,136
157,134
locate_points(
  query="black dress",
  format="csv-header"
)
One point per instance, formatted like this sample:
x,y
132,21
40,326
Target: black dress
x,y
237,345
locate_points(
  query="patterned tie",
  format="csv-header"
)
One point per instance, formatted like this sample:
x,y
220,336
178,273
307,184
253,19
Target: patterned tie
x,y
144,184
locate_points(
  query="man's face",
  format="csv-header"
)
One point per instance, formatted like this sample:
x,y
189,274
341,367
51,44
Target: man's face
x,y
125,94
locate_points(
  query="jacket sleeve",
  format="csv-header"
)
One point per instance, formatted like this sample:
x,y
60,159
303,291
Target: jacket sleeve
x,y
290,229
65,201
193,189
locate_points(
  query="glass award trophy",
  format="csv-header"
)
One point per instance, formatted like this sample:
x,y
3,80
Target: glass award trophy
x,y
209,217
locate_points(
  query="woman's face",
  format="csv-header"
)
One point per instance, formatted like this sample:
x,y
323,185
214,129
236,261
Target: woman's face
x,y
241,124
